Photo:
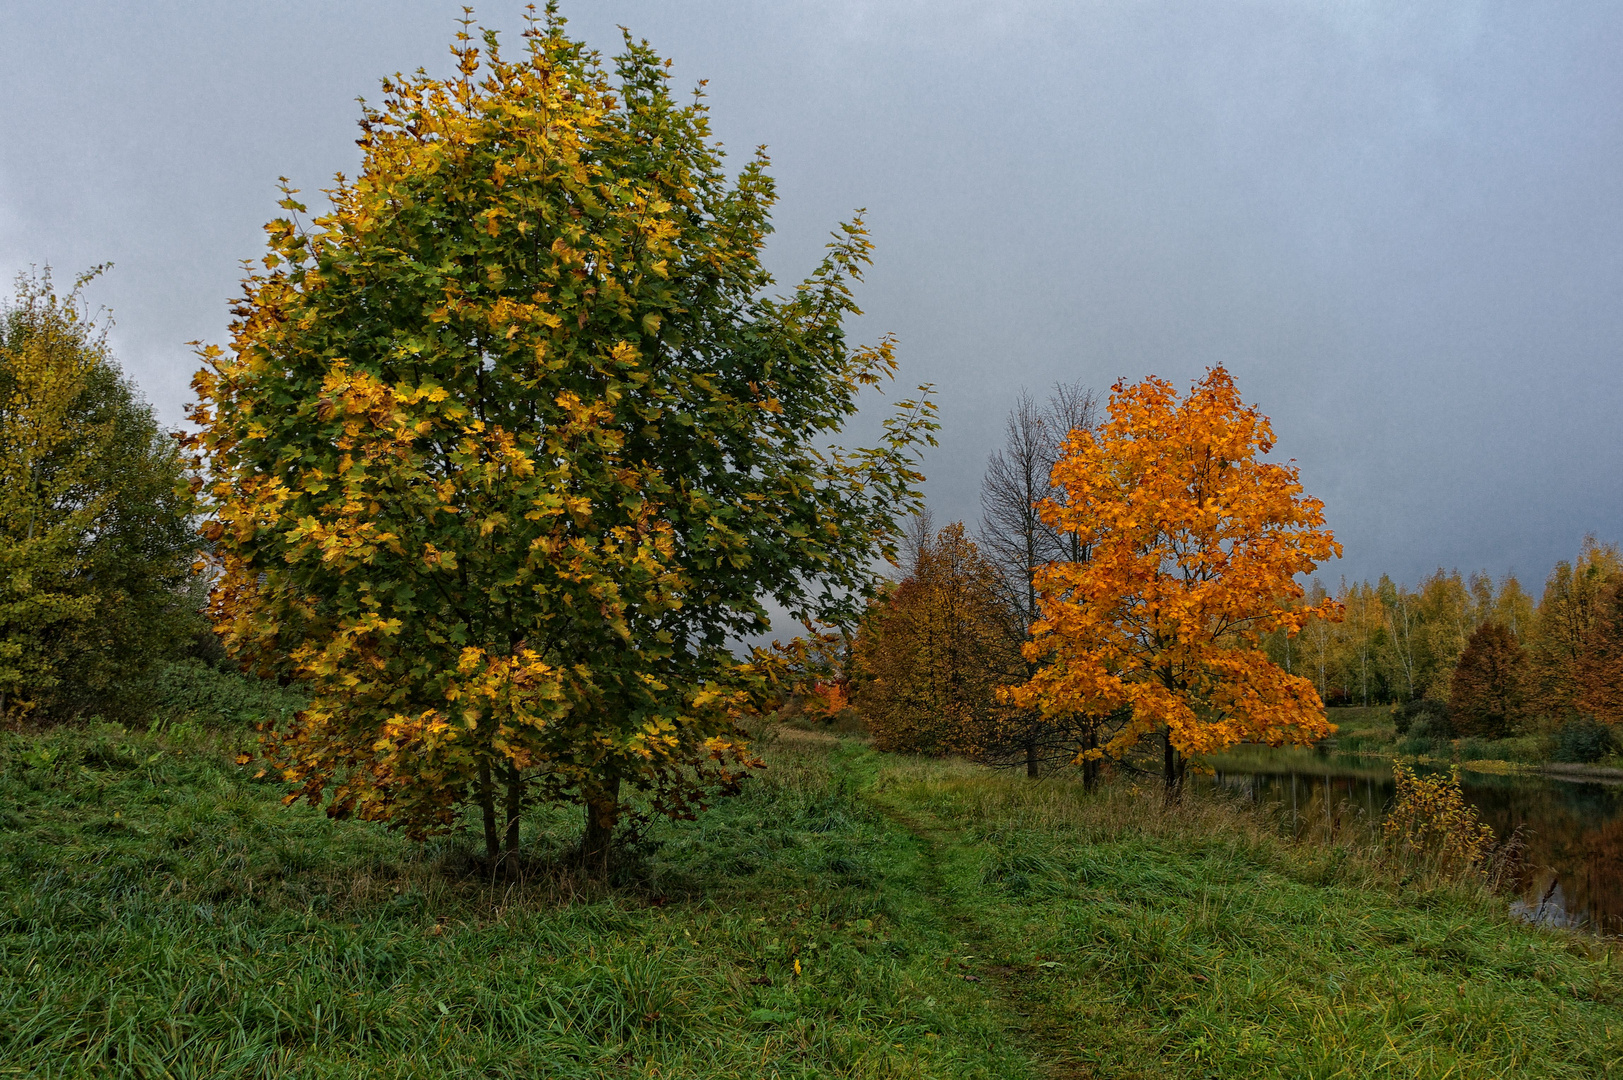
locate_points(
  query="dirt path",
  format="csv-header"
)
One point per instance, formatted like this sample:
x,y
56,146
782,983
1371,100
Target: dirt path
x,y
1043,1033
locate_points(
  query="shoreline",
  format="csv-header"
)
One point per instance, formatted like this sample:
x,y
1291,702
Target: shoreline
x,y
1555,770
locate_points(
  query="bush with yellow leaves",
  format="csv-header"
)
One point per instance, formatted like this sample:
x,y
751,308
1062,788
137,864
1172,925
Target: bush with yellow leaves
x,y
1430,819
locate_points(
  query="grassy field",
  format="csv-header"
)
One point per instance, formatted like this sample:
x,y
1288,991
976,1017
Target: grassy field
x,y
851,915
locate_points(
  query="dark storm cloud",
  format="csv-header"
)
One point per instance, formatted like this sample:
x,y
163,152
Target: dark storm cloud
x,y
1399,225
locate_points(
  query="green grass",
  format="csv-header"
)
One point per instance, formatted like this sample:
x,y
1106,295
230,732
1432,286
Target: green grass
x,y
162,915
1196,943
1369,730
190,692
1363,728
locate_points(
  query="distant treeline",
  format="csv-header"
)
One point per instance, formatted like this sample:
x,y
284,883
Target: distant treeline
x,y
1549,660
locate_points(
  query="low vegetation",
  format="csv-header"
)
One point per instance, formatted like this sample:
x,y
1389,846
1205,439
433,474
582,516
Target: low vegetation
x,y
850,914
1387,732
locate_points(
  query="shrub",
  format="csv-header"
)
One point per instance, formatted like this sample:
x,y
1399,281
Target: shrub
x,y
1414,747
1430,818
1581,739
1429,714
1434,728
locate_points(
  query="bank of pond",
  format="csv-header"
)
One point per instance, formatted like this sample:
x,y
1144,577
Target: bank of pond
x,y
1569,826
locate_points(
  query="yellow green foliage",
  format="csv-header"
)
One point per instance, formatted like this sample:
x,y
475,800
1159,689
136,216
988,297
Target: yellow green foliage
x,y
95,543
513,440
1574,599
1430,818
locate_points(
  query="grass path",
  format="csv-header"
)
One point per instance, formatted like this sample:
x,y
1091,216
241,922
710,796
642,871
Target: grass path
x,y
1198,943
1028,1019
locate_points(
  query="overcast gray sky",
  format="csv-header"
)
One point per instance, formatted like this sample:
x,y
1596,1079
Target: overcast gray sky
x,y
1398,224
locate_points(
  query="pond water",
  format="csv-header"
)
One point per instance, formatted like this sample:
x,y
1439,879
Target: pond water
x,y
1572,830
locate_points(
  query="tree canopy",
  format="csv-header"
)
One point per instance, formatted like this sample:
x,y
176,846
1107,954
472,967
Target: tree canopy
x,y
1194,545
933,650
513,442
96,539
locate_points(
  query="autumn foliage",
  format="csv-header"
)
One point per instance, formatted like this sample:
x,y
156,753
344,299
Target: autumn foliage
x,y
1572,635
1488,697
813,671
513,440
1194,548
932,653
1431,819
96,536
1404,646
1599,674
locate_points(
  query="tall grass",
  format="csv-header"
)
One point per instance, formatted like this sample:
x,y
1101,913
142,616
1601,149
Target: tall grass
x,y
161,914
193,692
1197,941
851,914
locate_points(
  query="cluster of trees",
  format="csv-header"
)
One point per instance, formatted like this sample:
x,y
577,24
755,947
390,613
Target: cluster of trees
x,y
936,647
513,442
1092,557
96,535
1131,569
1476,657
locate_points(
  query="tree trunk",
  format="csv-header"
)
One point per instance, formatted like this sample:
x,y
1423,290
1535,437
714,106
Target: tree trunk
x,y
487,807
1090,766
1174,770
1031,760
602,813
515,807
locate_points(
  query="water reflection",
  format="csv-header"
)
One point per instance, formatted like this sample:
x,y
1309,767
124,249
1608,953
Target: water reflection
x,y
1573,832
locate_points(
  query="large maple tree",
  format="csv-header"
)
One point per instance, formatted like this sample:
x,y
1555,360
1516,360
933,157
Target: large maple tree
x,y
513,441
1195,545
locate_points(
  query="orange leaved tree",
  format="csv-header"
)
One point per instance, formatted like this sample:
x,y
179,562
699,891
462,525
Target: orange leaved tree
x,y
1195,546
